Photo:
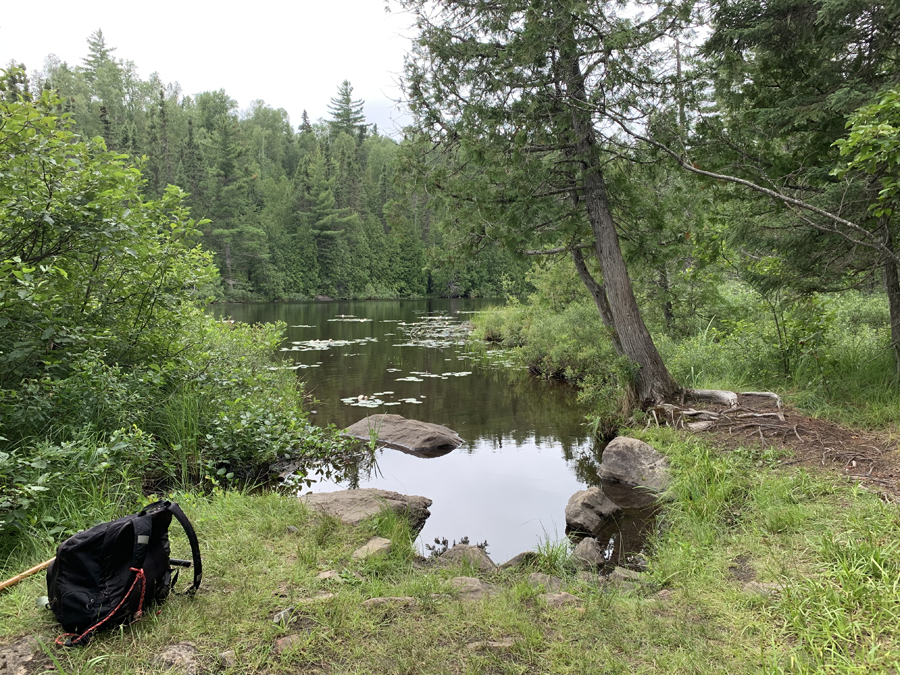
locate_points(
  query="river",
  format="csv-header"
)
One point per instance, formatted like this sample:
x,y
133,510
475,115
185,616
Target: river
x,y
526,446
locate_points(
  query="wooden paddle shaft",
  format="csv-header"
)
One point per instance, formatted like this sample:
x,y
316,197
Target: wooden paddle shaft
x,y
27,573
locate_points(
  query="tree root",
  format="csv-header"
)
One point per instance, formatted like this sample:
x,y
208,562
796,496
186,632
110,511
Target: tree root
x,y
735,414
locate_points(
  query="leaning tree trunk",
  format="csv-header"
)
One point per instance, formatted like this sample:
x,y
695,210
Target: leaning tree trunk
x,y
652,382
597,292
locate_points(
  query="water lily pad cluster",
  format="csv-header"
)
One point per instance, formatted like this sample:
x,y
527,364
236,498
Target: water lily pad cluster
x,y
322,345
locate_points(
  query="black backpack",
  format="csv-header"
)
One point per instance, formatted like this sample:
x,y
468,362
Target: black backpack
x,y
109,574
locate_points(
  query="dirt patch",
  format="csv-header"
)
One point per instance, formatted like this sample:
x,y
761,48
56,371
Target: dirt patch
x,y
741,569
869,457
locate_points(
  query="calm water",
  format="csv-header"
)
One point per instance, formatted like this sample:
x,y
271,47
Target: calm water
x,y
526,448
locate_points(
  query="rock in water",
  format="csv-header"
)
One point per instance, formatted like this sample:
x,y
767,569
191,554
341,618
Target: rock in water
x,y
422,439
354,506
634,463
589,510
589,554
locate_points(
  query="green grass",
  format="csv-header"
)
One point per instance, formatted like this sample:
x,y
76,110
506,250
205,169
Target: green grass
x,y
832,546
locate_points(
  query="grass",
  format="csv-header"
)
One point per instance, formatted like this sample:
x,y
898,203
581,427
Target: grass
x,y
832,546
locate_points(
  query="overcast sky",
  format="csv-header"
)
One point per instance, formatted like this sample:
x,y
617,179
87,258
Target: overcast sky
x,y
293,55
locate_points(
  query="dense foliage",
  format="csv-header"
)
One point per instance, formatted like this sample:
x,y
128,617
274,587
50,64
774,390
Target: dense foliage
x,y
111,375
293,212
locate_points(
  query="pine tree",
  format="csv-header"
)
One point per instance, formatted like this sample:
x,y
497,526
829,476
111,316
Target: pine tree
x,y
99,54
347,114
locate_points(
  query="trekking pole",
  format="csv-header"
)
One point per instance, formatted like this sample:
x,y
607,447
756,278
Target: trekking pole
x,y
27,573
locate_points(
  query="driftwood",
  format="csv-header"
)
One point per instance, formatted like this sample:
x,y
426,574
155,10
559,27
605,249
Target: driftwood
x,y
735,414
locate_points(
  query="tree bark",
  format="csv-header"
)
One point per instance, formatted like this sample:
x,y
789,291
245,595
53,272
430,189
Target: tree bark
x,y
598,293
652,382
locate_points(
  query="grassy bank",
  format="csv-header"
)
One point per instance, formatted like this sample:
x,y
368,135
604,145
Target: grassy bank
x,y
830,546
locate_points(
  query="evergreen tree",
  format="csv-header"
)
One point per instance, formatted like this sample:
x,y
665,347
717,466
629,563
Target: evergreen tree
x,y
347,114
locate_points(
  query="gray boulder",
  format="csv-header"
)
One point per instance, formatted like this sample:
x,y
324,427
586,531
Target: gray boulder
x,y
374,547
422,439
463,553
634,464
588,511
550,584
589,554
354,506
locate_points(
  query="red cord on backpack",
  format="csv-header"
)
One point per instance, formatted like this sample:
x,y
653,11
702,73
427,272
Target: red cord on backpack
x,y
137,615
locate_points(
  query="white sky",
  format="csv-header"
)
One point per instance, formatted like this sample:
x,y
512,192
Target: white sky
x,y
292,54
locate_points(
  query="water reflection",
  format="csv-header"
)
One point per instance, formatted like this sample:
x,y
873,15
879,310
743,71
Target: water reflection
x,y
526,448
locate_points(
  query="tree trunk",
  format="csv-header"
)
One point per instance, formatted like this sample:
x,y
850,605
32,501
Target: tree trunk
x,y
892,286
599,294
652,382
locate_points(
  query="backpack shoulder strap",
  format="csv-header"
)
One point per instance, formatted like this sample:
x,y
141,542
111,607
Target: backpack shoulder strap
x,y
195,545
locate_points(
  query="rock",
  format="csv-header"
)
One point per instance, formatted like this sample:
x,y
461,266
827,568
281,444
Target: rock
x,y
318,597
323,298
374,547
470,589
390,602
665,595
634,463
549,583
590,578
522,559
292,529
561,599
283,644
181,657
624,579
589,510
354,506
228,659
589,554
493,645
330,575
762,589
284,616
21,657
422,439
474,556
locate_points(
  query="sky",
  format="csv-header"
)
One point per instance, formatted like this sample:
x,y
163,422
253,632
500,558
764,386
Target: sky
x,y
292,55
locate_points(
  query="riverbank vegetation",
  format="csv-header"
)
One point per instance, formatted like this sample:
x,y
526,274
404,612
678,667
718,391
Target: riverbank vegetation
x,y
754,569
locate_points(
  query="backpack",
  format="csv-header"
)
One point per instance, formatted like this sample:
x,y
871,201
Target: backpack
x,y
109,574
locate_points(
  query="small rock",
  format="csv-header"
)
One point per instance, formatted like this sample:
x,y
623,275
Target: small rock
x,y
318,597
353,506
284,615
590,578
463,553
561,599
329,576
285,643
549,583
761,589
522,559
228,659
624,579
375,546
493,645
589,510
181,657
389,602
20,657
470,589
292,529
665,595
589,554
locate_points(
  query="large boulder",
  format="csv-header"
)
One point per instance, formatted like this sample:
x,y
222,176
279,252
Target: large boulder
x,y
354,506
422,439
637,467
588,511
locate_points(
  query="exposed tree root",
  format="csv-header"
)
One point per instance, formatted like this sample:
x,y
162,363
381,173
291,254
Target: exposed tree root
x,y
734,411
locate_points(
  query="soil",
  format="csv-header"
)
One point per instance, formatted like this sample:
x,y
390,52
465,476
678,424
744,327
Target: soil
x,y
869,457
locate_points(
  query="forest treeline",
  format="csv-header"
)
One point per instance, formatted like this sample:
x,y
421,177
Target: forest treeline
x,y
293,211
